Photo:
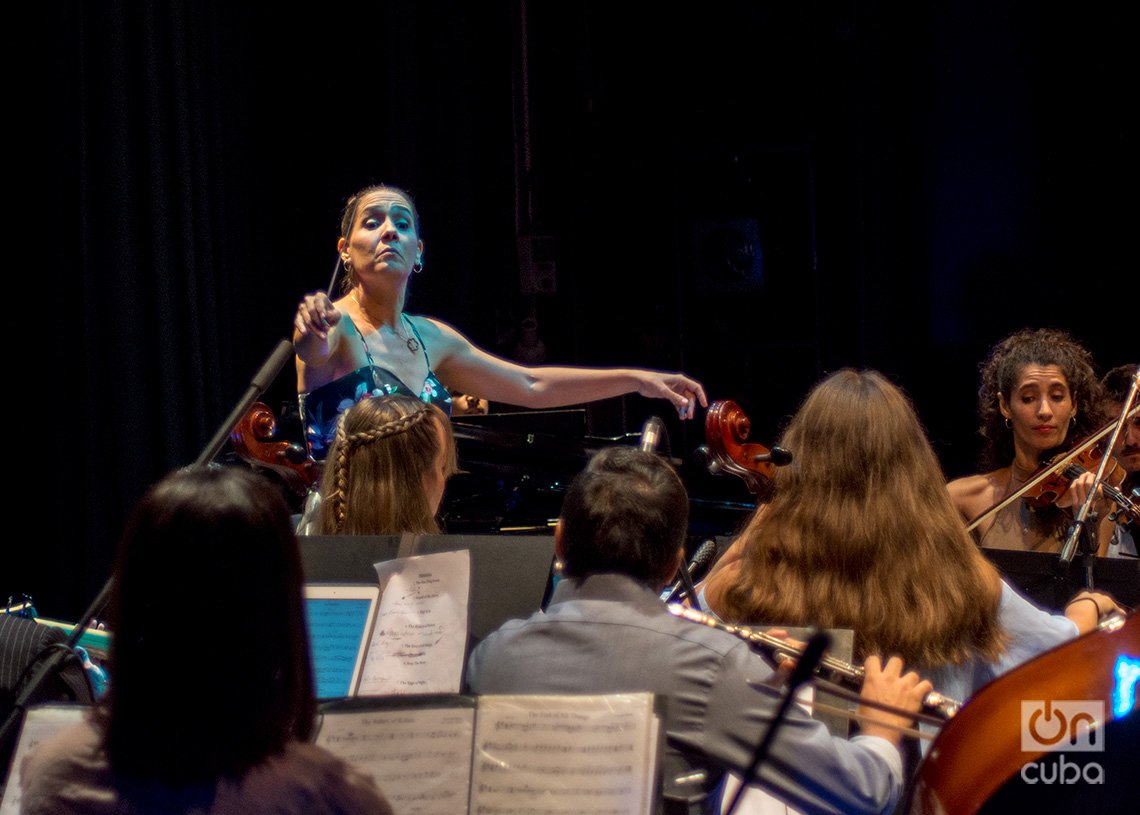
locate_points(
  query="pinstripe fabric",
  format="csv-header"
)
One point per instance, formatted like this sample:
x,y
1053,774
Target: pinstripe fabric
x,y
20,640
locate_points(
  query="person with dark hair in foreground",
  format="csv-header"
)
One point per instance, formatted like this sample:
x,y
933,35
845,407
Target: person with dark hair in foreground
x,y
214,547
621,538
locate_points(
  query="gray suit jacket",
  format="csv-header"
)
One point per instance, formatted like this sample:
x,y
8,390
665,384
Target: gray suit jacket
x,y
609,634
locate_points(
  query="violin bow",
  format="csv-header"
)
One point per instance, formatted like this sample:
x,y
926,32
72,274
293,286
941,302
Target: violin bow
x,y
1070,547
1053,467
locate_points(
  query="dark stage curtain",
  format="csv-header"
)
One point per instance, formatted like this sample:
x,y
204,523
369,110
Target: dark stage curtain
x,y
182,167
147,305
924,179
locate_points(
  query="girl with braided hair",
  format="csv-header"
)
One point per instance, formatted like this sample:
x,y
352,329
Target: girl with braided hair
x,y
385,474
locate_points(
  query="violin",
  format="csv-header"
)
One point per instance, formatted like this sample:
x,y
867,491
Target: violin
x,y
726,438
1058,479
254,439
1058,473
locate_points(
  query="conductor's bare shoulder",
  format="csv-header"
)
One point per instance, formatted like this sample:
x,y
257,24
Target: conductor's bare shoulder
x,y
437,332
445,343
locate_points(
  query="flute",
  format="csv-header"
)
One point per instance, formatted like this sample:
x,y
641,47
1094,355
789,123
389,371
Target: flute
x,y
829,668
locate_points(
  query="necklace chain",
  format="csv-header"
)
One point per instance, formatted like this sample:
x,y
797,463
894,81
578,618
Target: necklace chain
x,y
410,341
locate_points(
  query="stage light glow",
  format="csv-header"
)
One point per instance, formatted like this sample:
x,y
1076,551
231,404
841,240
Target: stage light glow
x,y
1127,673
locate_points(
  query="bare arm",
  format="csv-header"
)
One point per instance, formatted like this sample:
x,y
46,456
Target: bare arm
x,y
470,369
1088,608
313,337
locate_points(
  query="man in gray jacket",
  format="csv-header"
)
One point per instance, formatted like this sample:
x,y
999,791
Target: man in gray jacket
x,y
621,539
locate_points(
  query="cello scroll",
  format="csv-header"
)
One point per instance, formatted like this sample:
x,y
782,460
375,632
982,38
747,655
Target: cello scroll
x,y
726,436
254,439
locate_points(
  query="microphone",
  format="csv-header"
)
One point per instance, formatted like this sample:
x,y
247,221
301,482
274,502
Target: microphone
x,y
702,559
807,662
652,432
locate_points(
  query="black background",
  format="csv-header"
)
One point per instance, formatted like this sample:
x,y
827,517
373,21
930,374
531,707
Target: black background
x,y
923,178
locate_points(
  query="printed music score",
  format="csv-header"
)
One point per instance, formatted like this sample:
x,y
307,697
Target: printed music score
x,y
40,724
421,759
420,636
507,755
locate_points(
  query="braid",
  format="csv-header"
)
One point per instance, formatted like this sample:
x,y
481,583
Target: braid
x,y
375,471
345,444
340,472
392,428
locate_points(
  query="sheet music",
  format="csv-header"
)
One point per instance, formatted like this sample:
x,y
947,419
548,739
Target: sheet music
x,y
336,627
420,635
564,755
420,758
40,724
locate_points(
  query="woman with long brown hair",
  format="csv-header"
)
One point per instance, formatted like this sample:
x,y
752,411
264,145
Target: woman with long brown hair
x,y
861,534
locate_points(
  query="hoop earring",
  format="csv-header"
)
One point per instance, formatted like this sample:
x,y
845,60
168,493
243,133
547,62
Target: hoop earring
x,y
417,267
1008,423
1073,420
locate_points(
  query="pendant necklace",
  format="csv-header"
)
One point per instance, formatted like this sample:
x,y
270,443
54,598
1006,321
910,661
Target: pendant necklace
x,y
411,342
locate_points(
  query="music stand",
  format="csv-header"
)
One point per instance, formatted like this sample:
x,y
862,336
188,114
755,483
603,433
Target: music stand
x,y
509,573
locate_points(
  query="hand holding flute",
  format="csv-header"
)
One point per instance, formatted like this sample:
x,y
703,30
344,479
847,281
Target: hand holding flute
x,y
830,669
888,686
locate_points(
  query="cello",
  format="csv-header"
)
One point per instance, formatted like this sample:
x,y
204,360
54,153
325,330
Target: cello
x,y
999,750
255,440
727,428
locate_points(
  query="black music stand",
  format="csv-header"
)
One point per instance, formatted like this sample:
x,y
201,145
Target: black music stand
x,y
509,573
1042,578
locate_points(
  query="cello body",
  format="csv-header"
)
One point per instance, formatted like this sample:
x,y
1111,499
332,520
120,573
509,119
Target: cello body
x,y
977,762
